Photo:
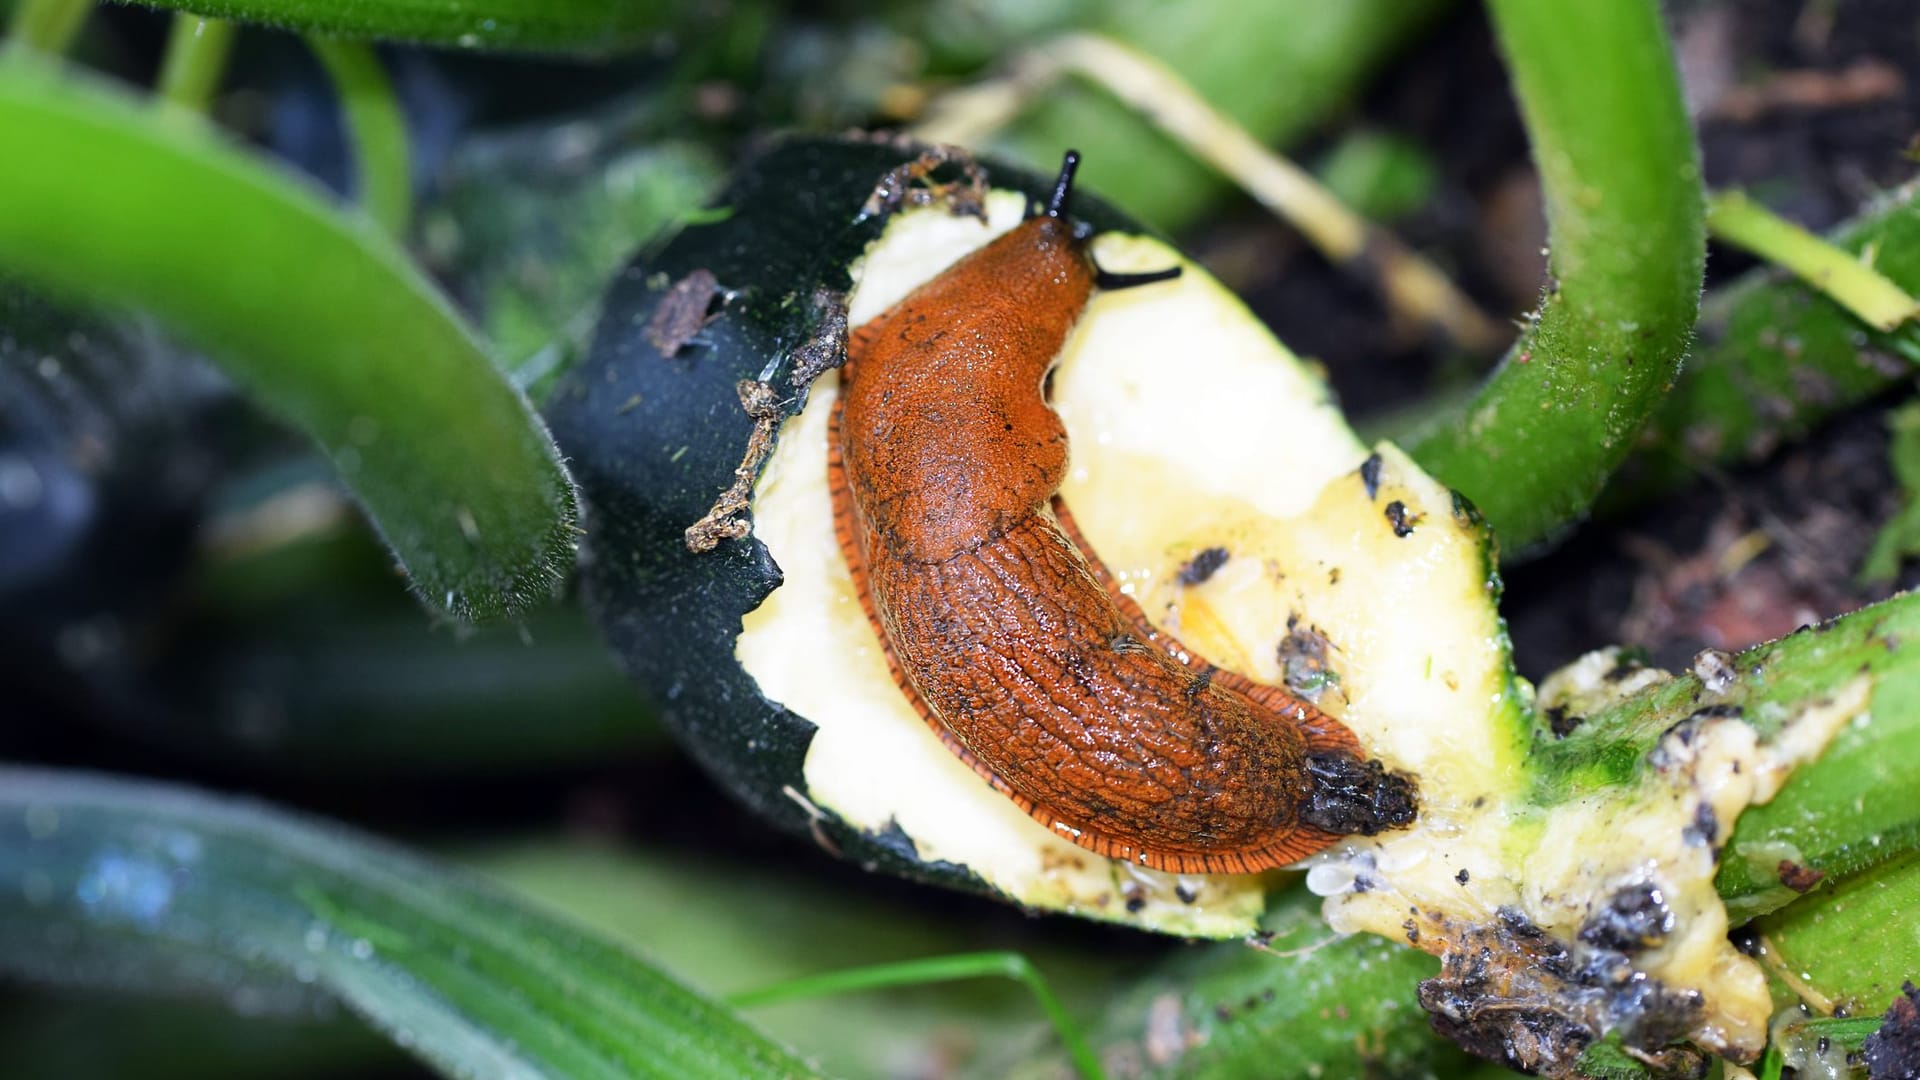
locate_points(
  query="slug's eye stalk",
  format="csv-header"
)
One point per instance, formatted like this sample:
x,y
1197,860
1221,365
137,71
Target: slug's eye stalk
x,y
1063,187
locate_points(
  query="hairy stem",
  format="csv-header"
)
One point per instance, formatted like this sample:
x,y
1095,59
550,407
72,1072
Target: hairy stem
x,y
1610,134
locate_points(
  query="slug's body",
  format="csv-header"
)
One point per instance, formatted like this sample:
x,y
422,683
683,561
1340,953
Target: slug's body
x,y
945,458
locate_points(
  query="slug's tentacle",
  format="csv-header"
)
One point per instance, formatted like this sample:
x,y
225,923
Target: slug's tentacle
x,y
1109,281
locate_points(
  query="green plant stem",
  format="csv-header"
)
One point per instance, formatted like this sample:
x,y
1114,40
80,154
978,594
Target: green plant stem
x,y
580,27
1776,357
1840,814
47,26
1848,281
376,130
195,61
982,965
316,313
1602,103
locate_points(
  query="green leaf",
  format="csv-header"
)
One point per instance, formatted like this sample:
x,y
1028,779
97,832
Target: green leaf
x,y
590,27
315,312
106,881
1601,98
1380,175
1852,944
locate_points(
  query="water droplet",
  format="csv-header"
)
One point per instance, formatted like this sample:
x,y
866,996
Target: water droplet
x,y
362,949
316,939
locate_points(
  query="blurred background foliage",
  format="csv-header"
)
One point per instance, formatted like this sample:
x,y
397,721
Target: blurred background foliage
x,y
187,593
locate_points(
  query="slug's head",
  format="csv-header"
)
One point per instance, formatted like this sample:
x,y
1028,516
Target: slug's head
x,y
1053,218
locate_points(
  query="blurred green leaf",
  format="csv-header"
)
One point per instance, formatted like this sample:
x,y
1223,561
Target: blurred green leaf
x,y
734,926
114,882
316,313
589,27
1380,176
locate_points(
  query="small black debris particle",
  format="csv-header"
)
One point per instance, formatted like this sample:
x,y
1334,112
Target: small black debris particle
x,y
1893,1052
1401,519
1203,566
1634,919
1136,903
1799,878
1706,825
1561,723
1463,877
1717,712
1186,895
1223,1013
1370,476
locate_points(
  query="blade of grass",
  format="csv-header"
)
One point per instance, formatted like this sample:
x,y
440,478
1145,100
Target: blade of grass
x,y
47,26
314,312
981,965
105,881
1849,281
375,129
196,58
1601,100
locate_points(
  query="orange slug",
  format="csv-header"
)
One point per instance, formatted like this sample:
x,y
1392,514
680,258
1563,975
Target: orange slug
x,y
944,462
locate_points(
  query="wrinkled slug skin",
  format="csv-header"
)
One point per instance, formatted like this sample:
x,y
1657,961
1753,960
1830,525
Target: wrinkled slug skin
x,y
945,456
